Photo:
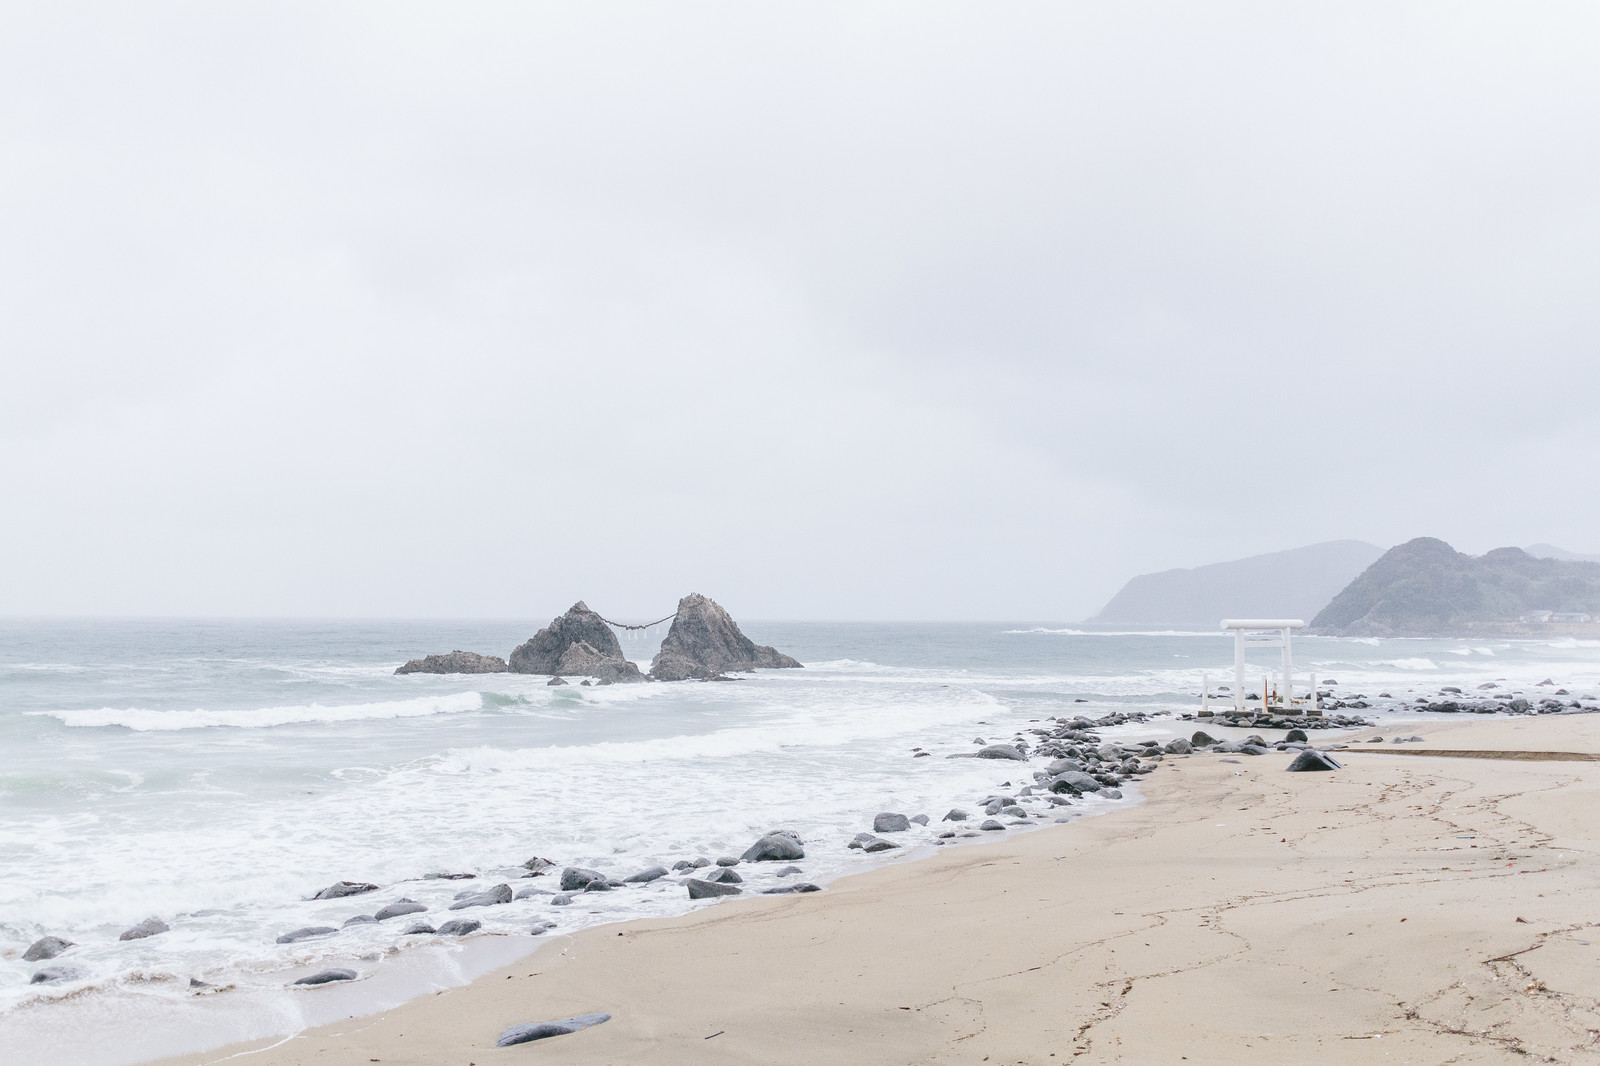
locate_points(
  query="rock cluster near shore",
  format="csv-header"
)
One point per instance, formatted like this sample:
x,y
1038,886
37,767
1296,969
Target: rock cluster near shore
x,y
703,643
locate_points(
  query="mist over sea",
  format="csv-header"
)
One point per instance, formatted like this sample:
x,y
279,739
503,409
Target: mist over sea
x,y
218,773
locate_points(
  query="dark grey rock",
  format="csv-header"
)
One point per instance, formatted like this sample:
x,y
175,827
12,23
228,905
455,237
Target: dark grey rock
x,y
780,845
583,660
310,932
574,878
869,843
723,875
1178,746
560,899
521,1034
597,886
1200,738
460,927
644,877
489,897
538,867
148,927
541,653
783,890
921,819
328,977
1013,811
1296,734
955,814
45,948
681,865
399,907
419,928
701,863
727,860
788,871
990,825
51,975
699,889
457,662
1001,751
554,681
1073,782
341,889
704,641
1312,759
891,823
361,919
540,928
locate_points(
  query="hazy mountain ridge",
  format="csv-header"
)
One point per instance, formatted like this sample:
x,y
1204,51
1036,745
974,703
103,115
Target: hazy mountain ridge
x,y
1425,587
1296,584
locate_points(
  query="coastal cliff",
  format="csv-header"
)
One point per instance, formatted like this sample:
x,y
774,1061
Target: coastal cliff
x,y
1425,587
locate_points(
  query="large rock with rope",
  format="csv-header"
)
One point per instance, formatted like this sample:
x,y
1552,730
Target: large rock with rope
x,y
543,653
704,641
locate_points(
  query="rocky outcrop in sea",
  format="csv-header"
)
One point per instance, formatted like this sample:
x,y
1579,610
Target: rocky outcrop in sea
x,y
579,642
457,662
705,641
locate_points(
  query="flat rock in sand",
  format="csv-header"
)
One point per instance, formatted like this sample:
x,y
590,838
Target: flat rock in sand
x,y
521,1034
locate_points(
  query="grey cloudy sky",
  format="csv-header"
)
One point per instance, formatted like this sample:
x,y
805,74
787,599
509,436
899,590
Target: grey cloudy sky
x,y
895,310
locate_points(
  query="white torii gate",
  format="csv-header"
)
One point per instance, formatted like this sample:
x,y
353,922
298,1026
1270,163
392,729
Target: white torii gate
x,y
1263,633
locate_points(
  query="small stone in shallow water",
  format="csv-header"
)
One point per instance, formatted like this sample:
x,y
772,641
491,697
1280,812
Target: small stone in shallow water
x,y
419,928
725,876
328,977
1002,751
460,927
540,928
787,871
525,893
341,889
701,863
644,877
706,889
727,860
890,823
361,919
45,948
148,927
399,907
681,865
491,897
521,1034
306,933
50,975
574,878
990,825
956,815
560,899
784,890
920,819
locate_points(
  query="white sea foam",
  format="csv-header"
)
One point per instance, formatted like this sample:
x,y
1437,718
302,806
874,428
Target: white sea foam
x,y
1120,632
1414,664
142,720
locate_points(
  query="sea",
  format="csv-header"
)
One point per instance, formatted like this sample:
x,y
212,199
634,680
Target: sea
x,y
217,773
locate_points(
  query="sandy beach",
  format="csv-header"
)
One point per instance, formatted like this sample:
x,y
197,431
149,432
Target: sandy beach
x,y
1405,909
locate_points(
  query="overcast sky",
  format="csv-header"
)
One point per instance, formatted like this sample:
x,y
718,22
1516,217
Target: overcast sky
x,y
898,310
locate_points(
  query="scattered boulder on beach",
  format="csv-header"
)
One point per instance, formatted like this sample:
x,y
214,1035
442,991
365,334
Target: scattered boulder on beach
x,y
1311,759
1200,738
560,899
457,662
521,1034
341,889
599,655
788,871
1296,734
601,885
537,867
540,928
990,825
955,815
1074,781
644,877
45,948
576,878
327,977
399,907
681,865
460,927
727,860
148,927
1002,751
869,843
891,823
51,975
783,890
922,819
722,875
780,845
420,929
310,932
704,641
360,919
699,889
1178,746
489,897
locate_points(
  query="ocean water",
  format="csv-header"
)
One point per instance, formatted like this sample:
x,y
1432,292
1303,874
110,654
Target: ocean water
x,y
218,773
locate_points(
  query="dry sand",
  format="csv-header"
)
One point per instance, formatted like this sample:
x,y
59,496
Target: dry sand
x,y
1416,909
